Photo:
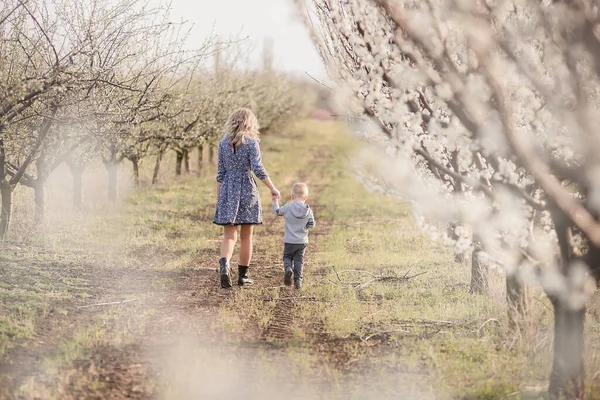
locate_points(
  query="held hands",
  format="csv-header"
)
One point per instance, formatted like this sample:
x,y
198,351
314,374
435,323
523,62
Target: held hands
x,y
275,195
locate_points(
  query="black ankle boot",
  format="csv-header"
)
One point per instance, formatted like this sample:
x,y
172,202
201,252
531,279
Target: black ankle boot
x,y
225,272
243,278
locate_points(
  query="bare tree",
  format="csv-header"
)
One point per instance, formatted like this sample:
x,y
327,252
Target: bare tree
x,y
112,80
33,68
206,100
24,154
108,67
147,60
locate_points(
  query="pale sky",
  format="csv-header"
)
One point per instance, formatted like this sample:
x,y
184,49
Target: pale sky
x,y
256,19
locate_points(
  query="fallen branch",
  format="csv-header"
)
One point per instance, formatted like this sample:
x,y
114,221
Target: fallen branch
x,y
485,323
423,325
437,322
112,303
298,298
336,274
361,285
366,339
311,298
403,278
420,323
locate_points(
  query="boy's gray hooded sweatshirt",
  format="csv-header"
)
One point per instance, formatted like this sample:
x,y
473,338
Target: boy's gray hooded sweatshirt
x,y
299,219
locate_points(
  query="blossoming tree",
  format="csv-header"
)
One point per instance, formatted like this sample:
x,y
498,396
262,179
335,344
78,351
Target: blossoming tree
x,y
487,113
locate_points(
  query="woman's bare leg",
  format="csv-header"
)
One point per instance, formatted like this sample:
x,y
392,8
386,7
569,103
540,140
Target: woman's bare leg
x,y
246,244
245,255
229,239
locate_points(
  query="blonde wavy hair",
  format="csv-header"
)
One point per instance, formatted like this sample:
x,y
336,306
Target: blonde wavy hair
x,y
242,123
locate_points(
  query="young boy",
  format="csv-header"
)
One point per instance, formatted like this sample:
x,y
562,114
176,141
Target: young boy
x,y
299,219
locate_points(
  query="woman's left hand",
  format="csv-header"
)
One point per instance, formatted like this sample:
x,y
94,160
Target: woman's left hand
x,y
275,195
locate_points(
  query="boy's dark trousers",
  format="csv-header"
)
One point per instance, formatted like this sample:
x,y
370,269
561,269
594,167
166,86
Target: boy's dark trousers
x,y
293,257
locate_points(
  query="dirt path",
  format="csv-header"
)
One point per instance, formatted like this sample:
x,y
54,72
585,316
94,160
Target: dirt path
x,y
161,328
168,337
184,350
153,321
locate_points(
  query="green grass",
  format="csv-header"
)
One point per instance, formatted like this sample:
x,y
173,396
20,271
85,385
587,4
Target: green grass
x,y
363,316
73,259
461,340
35,283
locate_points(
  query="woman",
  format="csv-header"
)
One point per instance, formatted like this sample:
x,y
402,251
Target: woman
x,y
238,198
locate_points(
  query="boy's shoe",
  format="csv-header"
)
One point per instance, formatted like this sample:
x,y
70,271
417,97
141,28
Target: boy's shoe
x,y
287,277
225,272
243,278
298,283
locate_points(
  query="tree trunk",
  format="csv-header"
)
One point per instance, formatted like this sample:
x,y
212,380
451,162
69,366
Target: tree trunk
x,y
157,167
136,171
111,169
6,211
186,161
479,278
566,380
178,162
5,192
211,154
200,157
39,189
77,174
516,300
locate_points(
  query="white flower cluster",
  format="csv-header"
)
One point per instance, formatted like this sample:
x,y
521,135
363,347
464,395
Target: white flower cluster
x,y
481,102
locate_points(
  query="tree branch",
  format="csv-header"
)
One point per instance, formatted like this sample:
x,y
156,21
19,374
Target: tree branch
x,y
577,213
41,137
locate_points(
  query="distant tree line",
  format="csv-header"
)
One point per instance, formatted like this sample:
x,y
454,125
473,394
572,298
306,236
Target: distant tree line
x,y
115,81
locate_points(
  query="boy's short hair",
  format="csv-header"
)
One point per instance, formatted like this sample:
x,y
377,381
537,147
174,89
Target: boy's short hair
x,y
300,189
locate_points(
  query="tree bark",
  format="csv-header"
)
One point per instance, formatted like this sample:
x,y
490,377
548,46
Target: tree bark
x,y
77,174
111,169
178,162
136,171
157,167
186,161
211,154
5,193
479,278
516,300
200,157
6,210
566,380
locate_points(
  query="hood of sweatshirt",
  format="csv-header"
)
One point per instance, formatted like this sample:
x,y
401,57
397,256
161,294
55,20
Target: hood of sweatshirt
x,y
299,210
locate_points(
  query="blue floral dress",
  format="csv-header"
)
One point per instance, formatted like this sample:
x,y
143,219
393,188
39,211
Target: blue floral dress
x,y
239,200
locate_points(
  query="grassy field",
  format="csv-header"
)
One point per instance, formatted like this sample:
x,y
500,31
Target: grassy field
x,y
122,301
